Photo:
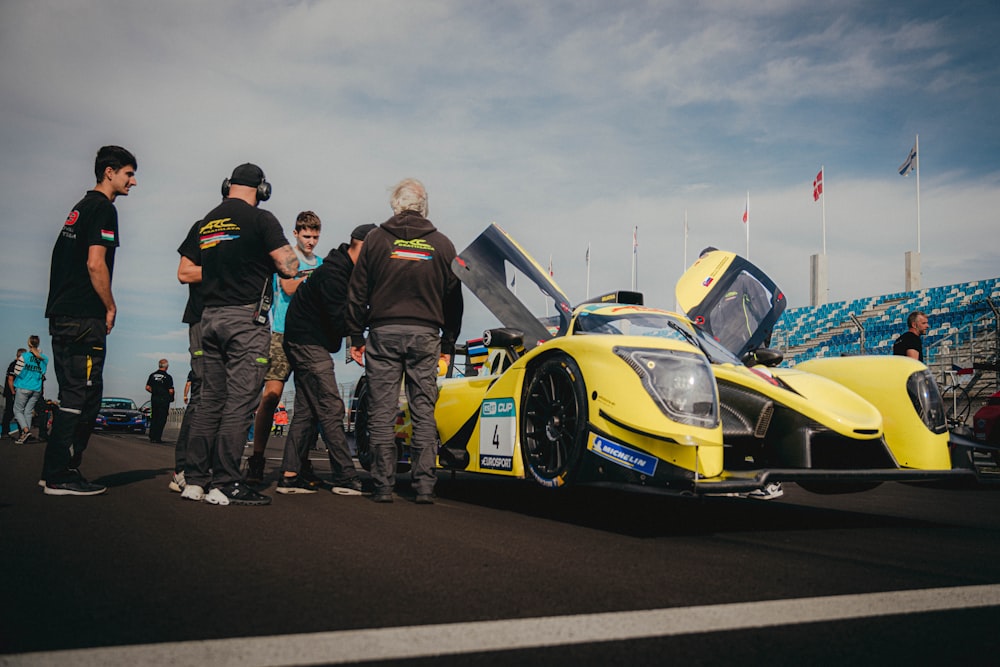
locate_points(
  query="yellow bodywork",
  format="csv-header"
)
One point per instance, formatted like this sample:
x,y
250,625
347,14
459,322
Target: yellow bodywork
x,y
882,381
618,405
834,406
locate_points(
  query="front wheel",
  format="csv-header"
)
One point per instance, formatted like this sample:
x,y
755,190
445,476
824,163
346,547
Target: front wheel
x,y
359,422
554,421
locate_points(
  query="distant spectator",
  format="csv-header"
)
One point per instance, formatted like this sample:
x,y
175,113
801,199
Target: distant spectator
x,y
161,387
8,396
28,386
909,344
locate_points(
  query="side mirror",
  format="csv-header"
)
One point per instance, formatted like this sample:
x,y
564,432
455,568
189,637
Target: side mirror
x,y
763,356
504,337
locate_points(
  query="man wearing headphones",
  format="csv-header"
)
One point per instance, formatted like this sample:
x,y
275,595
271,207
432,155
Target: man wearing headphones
x,y
238,246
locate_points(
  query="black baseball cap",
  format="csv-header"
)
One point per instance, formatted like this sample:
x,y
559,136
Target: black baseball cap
x,y
247,174
361,231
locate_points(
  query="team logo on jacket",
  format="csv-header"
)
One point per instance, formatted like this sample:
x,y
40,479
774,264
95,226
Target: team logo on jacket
x,y
414,250
216,231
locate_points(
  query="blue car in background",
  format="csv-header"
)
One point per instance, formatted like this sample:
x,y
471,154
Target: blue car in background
x,y
120,414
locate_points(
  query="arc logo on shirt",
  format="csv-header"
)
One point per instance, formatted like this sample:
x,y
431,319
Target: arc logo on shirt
x,y
215,232
414,250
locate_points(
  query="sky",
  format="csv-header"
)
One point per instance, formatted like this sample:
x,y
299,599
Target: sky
x,y
569,124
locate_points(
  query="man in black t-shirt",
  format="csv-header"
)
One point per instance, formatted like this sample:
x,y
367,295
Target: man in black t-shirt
x,y
8,395
909,344
81,311
161,387
238,247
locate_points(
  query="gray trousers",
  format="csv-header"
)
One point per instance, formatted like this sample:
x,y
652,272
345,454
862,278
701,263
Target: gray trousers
x,y
234,363
317,401
396,353
194,397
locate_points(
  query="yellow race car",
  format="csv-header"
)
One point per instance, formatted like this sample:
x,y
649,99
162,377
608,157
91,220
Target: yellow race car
x,y
613,392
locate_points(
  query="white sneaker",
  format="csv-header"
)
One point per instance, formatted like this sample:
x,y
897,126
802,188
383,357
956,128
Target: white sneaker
x,y
769,492
216,497
193,492
177,483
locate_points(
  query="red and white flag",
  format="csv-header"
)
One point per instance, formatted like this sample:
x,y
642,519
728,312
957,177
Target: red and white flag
x,y
746,211
818,186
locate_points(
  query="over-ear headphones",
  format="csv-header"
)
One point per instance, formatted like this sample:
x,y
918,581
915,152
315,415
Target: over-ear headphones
x,y
263,189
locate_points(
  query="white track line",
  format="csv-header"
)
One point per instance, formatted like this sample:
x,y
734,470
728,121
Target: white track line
x,y
420,641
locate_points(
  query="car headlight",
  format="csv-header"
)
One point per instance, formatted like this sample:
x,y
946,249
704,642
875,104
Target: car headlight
x,y
927,401
681,383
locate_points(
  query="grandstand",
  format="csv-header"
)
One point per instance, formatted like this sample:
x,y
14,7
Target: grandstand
x,y
964,330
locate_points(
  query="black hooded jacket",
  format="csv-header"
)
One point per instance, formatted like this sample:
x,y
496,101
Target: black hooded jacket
x,y
404,276
316,312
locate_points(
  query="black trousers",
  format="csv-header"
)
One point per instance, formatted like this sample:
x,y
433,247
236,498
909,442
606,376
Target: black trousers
x,y
8,414
78,351
158,419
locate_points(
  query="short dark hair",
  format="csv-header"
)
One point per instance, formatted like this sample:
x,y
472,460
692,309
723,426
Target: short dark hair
x,y
911,320
115,157
307,220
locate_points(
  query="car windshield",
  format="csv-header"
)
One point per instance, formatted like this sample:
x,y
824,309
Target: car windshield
x,y
117,404
656,324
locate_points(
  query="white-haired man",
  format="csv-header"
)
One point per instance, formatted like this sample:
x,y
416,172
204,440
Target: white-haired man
x,y
404,292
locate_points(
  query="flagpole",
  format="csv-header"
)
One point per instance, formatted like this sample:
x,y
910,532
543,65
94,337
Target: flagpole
x,y
588,271
685,240
635,253
748,224
550,276
677,305
822,171
916,145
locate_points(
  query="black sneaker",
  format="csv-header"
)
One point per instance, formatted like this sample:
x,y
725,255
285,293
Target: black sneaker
x,y
255,469
382,498
307,474
424,499
76,487
236,494
351,487
297,484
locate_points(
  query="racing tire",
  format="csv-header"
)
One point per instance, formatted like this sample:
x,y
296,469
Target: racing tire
x,y
554,417
362,434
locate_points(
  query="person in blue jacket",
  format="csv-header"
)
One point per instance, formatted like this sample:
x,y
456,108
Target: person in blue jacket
x,y
28,386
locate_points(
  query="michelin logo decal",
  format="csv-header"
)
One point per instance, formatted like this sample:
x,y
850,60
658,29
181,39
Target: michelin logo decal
x,y
624,456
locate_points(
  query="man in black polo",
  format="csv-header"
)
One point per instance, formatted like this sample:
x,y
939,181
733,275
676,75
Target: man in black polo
x,y
160,385
238,246
81,311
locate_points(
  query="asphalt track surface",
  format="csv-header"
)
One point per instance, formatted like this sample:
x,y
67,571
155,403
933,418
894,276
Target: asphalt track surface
x,y
496,572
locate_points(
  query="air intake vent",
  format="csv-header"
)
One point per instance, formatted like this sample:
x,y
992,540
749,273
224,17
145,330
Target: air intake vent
x,y
764,420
